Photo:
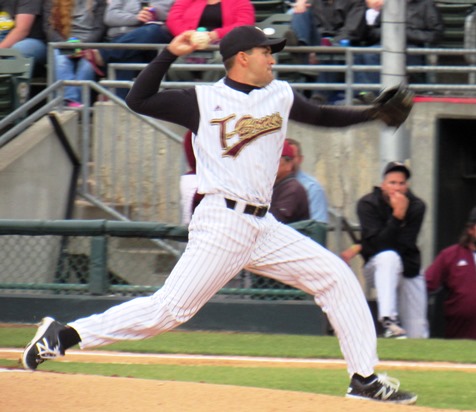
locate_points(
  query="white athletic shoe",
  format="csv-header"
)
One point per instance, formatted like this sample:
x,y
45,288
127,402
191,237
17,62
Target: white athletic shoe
x,y
393,329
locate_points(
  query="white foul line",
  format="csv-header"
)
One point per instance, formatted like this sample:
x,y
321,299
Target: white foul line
x,y
264,360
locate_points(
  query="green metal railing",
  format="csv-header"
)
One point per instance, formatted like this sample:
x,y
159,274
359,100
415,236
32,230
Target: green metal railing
x,y
102,257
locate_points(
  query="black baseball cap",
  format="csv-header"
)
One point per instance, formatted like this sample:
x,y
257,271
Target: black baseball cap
x,y
397,167
244,38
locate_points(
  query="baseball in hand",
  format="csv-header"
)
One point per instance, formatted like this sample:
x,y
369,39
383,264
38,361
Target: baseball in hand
x,y
200,39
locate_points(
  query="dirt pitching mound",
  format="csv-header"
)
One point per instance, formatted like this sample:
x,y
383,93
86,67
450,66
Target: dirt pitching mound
x,y
54,392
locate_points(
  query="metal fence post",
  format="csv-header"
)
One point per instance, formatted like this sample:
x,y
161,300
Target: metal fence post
x,y
98,281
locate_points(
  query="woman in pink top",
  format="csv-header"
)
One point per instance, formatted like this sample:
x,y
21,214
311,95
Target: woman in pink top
x,y
217,16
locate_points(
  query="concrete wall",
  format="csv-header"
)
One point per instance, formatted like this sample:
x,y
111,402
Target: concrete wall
x,y
35,173
35,176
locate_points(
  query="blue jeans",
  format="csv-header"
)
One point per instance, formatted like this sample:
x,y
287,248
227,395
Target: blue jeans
x,y
72,69
305,28
371,59
147,34
32,48
307,32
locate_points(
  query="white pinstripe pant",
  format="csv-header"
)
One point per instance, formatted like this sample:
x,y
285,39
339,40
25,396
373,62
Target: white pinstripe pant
x,y
221,243
398,295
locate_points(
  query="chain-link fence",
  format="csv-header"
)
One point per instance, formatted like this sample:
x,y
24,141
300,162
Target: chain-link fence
x,y
112,258
82,264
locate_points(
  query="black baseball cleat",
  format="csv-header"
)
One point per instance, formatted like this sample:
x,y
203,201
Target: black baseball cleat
x,y
45,345
382,388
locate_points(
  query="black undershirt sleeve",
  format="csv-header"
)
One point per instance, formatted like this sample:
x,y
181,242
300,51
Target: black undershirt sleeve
x,y
178,106
304,111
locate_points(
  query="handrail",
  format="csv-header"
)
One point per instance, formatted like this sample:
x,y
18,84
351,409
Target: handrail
x,y
99,227
347,66
55,91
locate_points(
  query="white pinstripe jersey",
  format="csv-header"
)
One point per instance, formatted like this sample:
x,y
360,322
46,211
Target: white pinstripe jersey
x,y
240,139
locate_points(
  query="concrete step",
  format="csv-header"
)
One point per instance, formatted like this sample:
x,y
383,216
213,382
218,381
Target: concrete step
x,y
84,210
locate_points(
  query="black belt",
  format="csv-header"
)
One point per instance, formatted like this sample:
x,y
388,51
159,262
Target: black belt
x,y
258,211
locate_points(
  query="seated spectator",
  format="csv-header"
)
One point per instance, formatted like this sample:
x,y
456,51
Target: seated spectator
x,y
21,29
323,22
328,23
129,22
315,193
79,21
390,218
218,17
424,27
454,270
289,200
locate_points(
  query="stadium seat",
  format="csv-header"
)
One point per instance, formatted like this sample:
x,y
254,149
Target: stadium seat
x,y
470,36
454,14
15,76
266,8
279,23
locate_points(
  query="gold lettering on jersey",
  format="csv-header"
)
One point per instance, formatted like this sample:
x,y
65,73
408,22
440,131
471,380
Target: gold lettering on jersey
x,y
247,129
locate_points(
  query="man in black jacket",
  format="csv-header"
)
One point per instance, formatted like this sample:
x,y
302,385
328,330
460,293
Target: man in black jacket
x,y
391,217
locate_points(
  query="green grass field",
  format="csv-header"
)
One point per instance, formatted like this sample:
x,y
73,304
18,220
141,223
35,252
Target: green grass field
x,y
438,389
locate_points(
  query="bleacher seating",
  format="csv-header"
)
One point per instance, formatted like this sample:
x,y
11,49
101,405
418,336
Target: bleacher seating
x,y
279,23
470,36
454,13
15,75
266,8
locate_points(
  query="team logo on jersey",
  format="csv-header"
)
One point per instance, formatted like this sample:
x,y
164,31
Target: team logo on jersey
x,y
246,129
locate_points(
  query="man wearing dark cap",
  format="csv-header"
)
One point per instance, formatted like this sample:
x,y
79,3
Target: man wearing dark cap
x,y
454,271
390,219
238,130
